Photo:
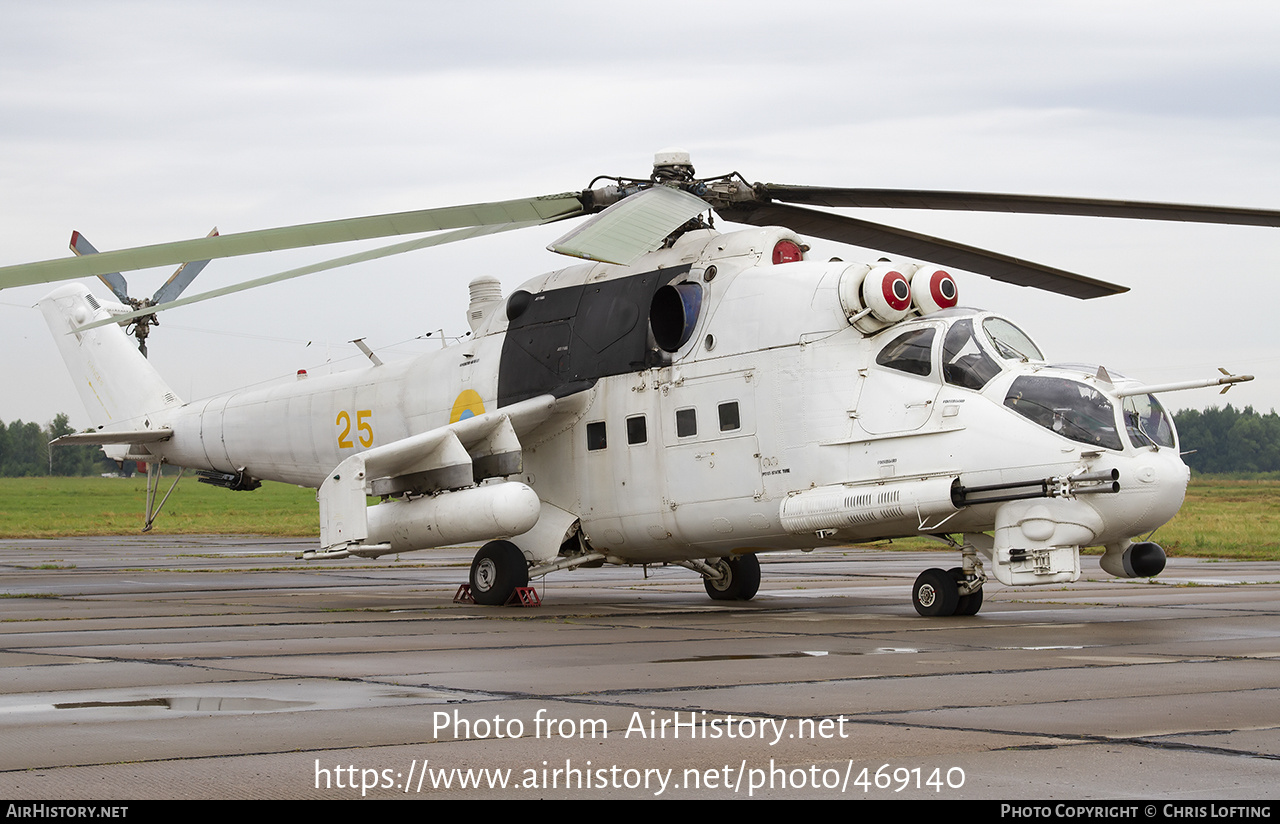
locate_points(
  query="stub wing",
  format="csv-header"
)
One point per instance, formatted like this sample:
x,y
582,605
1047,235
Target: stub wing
x,y
435,474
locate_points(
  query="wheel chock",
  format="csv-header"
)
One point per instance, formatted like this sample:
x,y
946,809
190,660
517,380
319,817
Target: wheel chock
x,y
521,597
524,597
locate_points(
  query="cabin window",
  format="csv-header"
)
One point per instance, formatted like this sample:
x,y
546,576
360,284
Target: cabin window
x,y
729,417
686,423
596,438
910,352
637,430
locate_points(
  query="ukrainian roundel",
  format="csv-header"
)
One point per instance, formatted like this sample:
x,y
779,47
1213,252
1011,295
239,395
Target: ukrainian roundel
x,y
467,405
933,289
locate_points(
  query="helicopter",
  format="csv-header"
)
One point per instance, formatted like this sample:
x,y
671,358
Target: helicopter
x,y
686,396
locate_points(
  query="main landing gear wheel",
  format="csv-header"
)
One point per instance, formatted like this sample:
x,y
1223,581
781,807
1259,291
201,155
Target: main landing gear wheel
x,y
499,567
935,593
968,604
741,578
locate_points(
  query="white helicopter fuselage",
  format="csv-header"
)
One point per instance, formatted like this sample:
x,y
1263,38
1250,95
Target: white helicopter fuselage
x,y
771,415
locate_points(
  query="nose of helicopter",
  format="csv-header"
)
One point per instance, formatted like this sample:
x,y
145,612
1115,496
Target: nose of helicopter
x,y
1153,484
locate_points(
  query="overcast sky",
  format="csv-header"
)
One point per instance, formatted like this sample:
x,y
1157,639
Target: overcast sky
x,y
140,122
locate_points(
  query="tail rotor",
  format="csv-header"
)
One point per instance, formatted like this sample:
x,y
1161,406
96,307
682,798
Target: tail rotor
x,y
140,327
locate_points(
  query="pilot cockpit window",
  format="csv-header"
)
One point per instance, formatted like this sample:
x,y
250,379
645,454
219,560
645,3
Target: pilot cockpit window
x,y
910,352
596,437
1146,422
1010,342
963,361
1070,408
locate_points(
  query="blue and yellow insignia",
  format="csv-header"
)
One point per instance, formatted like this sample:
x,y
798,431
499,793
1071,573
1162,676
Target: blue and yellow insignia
x,y
467,405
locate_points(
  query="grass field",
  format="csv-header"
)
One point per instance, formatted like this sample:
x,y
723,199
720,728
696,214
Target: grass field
x,y
1222,518
57,507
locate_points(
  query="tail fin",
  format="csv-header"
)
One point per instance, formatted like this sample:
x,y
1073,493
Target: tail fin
x,y
115,382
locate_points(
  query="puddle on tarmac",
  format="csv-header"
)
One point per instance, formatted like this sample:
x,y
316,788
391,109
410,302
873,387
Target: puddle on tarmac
x,y
192,703
799,654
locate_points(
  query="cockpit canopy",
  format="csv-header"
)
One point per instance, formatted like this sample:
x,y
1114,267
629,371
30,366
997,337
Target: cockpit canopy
x,y
1147,423
1072,409
976,347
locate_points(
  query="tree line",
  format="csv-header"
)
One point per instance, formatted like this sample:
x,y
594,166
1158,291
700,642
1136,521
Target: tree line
x,y
1218,441
25,451
1229,440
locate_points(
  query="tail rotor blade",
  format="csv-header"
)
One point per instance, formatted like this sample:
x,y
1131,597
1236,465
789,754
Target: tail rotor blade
x,y
114,280
181,279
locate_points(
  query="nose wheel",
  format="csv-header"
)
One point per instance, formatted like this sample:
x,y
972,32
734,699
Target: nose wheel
x,y
968,604
938,593
935,593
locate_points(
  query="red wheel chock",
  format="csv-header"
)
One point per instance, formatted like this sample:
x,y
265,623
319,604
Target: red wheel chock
x,y
525,597
521,597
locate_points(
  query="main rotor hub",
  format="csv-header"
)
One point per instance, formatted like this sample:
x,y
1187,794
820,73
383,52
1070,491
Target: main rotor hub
x,y
672,165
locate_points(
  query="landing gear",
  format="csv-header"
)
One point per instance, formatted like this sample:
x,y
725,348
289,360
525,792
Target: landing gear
x,y
968,604
739,581
935,593
499,567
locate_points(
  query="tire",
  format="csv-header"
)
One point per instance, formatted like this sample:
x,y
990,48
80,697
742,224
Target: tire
x,y
742,579
935,594
498,568
968,604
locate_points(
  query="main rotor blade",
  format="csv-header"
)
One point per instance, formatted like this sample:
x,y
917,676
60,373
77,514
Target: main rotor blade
x,y
346,260
631,227
525,211
181,279
1019,204
922,247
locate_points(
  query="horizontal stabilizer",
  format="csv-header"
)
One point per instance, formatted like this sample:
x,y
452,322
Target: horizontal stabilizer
x,y
119,436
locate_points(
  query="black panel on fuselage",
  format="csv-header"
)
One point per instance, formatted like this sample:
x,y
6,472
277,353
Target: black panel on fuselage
x,y
565,339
